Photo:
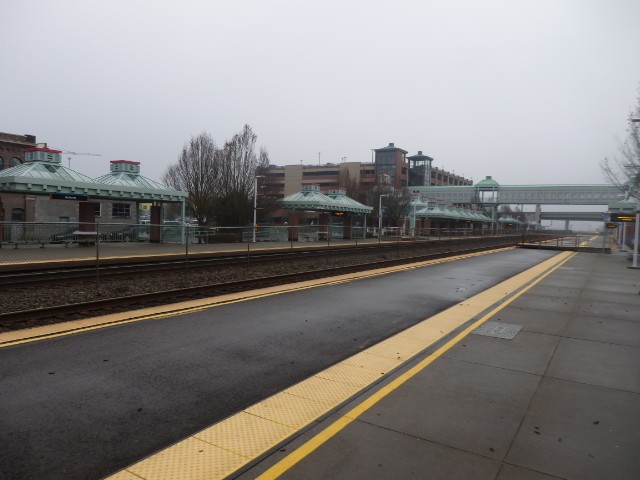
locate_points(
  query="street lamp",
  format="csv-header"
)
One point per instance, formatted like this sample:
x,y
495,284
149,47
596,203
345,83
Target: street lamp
x,y
634,264
380,216
255,205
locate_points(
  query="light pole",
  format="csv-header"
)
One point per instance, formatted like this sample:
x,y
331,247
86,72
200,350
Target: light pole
x,y
634,264
380,216
255,205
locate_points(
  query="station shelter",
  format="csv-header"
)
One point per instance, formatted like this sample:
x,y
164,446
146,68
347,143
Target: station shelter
x,y
507,222
331,215
49,192
624,214
438,215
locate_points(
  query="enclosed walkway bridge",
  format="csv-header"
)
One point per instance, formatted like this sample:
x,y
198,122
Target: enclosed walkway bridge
x,y
491,193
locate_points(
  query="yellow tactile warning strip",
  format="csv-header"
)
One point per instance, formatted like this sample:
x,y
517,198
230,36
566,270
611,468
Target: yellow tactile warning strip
x,y
241,438
325,435
77,326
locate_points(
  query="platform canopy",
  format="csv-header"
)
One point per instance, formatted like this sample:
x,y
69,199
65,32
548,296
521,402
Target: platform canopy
x,y
509,219
43,174
310,198
450,213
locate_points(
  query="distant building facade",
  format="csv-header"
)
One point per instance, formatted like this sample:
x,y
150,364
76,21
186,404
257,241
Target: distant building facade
x,y
390,163
15,207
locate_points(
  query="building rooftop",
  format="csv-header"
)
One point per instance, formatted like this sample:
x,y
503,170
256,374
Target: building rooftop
x,y
390,148
126,173
44,171
310,198
487,182
43,174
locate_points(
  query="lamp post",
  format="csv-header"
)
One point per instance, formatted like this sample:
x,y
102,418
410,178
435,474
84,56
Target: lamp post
x,y
380,216
634,264
255,205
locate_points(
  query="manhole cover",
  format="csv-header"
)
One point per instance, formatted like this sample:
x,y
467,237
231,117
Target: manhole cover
x,y
498,330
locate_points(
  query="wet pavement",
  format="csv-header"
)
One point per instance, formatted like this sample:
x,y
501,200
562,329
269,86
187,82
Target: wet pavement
x,y
84,405
561,399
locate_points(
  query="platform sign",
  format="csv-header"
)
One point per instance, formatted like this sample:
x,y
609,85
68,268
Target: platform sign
x,y
623,217
69,196
611,225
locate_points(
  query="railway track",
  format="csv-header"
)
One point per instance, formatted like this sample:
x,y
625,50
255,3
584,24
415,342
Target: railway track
x,y
129,267
61,313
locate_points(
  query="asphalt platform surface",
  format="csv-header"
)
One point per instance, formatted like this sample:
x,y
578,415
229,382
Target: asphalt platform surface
x,y
559,400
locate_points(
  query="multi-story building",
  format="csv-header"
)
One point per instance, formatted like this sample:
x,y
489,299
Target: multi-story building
x,y
390,165
12,147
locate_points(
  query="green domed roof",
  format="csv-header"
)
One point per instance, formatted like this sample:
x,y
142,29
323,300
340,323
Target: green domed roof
x,y
488,182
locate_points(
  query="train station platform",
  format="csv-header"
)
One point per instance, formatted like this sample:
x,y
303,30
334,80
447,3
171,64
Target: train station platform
x,y
533,376
537,379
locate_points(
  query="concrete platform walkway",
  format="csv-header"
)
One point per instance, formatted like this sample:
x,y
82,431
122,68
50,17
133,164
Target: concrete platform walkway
x,y
561,399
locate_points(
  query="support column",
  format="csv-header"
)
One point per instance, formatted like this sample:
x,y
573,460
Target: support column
x,y
86,217
294,222
324,222
156,218
346,227
1,220
183,213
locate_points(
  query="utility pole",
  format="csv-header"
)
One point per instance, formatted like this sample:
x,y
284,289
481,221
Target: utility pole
x,y
255,206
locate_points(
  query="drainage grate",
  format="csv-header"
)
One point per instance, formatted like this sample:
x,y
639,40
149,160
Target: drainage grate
x,y
498,330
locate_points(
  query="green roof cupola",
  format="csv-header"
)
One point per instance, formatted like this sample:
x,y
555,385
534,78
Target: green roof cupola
x,y
125,166
42,154
488,183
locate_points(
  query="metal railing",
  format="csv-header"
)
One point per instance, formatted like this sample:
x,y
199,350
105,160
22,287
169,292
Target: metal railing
x,y
34,243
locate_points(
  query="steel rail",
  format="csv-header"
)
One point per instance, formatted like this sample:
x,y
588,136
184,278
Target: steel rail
x,y
56,314
195,261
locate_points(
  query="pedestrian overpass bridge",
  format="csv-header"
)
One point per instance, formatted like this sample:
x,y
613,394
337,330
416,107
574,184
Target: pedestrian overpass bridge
x,y
573,216
488,192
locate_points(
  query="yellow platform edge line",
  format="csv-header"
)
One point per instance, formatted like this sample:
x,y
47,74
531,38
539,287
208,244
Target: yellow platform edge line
x,y
278,404
18,337
314,443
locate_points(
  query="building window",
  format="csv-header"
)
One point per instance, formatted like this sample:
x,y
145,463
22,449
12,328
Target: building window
x,y
15,161
17,215
97,207
121,210
321,173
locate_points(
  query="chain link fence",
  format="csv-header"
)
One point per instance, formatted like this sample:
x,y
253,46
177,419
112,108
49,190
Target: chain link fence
x,y
36,243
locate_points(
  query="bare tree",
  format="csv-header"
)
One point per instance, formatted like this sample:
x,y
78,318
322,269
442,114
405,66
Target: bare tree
x,y
196,173
395,204
624,171
268,190
505,210
353,188
398,202
238,164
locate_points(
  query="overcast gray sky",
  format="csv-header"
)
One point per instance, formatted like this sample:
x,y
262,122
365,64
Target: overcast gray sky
x,y
529,92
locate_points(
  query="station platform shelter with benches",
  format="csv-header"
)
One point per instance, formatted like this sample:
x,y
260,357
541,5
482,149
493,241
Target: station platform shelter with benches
x,y
319,216
49,192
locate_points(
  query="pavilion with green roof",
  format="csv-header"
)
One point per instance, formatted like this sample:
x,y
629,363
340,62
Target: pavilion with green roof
x,y
55,193
335,209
